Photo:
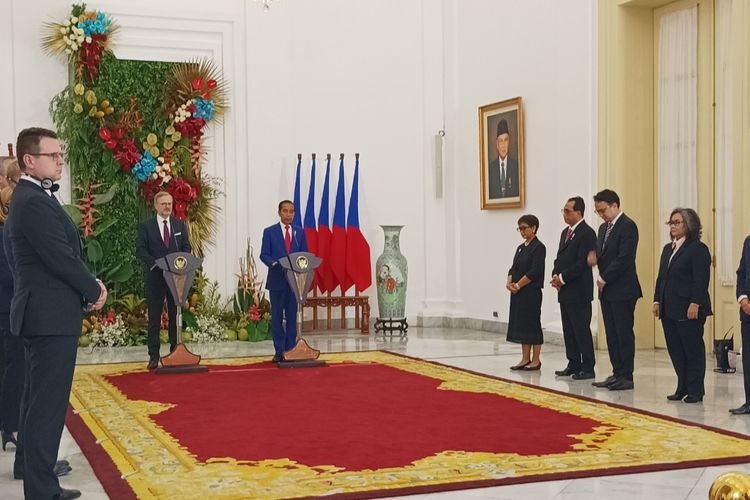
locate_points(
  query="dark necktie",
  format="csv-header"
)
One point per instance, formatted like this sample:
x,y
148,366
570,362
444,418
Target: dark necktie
x,y
165,234
674,248
287,239
569,235
608,231
502,175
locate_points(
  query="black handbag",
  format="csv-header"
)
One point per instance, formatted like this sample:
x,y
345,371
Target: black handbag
x,y
722,347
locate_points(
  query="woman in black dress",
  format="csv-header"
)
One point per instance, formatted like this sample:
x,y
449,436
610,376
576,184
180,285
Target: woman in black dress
x,y
525,282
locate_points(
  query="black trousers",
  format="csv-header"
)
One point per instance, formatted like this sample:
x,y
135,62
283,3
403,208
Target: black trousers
x,y
618,319
688,353
156,292
50,363
12,377
579,346
745,329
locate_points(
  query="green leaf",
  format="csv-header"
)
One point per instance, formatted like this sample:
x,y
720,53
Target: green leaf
x,y
121,273
101,199
74,214
102,226
94,251
189,319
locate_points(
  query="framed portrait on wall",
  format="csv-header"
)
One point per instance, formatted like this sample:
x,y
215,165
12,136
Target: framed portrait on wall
x,y
501,161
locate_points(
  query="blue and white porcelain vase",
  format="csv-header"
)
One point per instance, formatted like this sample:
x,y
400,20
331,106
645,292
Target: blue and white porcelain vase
x,y
392,276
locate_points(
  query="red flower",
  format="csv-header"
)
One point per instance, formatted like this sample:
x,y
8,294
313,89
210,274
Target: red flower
x,y
128,155
183,193
192,127
150,188
254,313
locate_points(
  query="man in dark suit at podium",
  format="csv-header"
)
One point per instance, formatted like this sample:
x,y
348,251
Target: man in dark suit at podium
x,y
279,240
574,281
52,287
157,237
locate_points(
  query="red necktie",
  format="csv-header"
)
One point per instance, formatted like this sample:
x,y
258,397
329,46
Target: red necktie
x,y
165,235
287,240
569,235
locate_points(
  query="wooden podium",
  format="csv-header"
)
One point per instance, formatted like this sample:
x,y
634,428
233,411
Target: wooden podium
x,y
179,272
299,268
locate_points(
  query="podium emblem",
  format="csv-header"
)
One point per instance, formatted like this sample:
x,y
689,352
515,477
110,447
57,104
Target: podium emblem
x,y
302,262
180,262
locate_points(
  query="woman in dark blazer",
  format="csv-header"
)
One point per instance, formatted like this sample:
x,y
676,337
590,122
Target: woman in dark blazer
x,y
682,302
13,371
525,282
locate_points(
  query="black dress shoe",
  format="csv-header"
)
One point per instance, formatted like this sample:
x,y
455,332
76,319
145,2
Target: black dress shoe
x,y
742,410
7,437
606,382
277,358
153,363
583,375
62,468
621,385
693,399
67,494
520,367
565,373
677,396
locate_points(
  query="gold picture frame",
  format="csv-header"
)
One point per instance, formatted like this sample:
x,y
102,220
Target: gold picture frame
x,y
502,181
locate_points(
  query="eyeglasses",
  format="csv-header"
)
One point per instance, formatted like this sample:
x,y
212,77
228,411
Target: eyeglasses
x,y
55,156
522,228
674,223
566,210
601,211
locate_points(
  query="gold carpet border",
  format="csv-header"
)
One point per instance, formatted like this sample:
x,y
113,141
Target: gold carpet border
x,y
156,466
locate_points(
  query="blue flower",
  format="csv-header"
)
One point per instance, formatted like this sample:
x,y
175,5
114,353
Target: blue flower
x,y
100,26
145,167
204,109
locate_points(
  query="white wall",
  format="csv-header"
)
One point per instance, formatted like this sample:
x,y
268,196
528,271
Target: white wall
x,y
543,51
375,77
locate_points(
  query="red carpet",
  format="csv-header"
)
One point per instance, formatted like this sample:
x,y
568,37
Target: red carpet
x,y
371,424
330,416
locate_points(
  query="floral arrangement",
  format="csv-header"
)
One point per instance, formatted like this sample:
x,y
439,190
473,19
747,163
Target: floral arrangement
x,y
111,332
250,305
207,329
168,157
81,38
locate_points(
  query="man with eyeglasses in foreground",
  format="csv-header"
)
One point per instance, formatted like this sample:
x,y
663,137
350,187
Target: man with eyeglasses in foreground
x,y
619,289
53,287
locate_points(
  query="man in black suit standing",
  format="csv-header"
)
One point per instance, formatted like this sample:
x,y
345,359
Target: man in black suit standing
x,y
682,302
574,281
157,237
52,288
503,171
743,291
619,289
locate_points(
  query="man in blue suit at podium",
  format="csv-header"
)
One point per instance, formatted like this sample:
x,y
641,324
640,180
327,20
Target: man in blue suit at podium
x,y
279,240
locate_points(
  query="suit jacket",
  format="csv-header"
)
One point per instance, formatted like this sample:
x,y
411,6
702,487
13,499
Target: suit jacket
x,y
572,263
684,280
273,249
743,276
52,281
150,244
6,277
616,261
511,179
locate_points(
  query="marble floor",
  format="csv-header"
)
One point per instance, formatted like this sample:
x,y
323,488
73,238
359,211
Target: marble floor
x,y
487,353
